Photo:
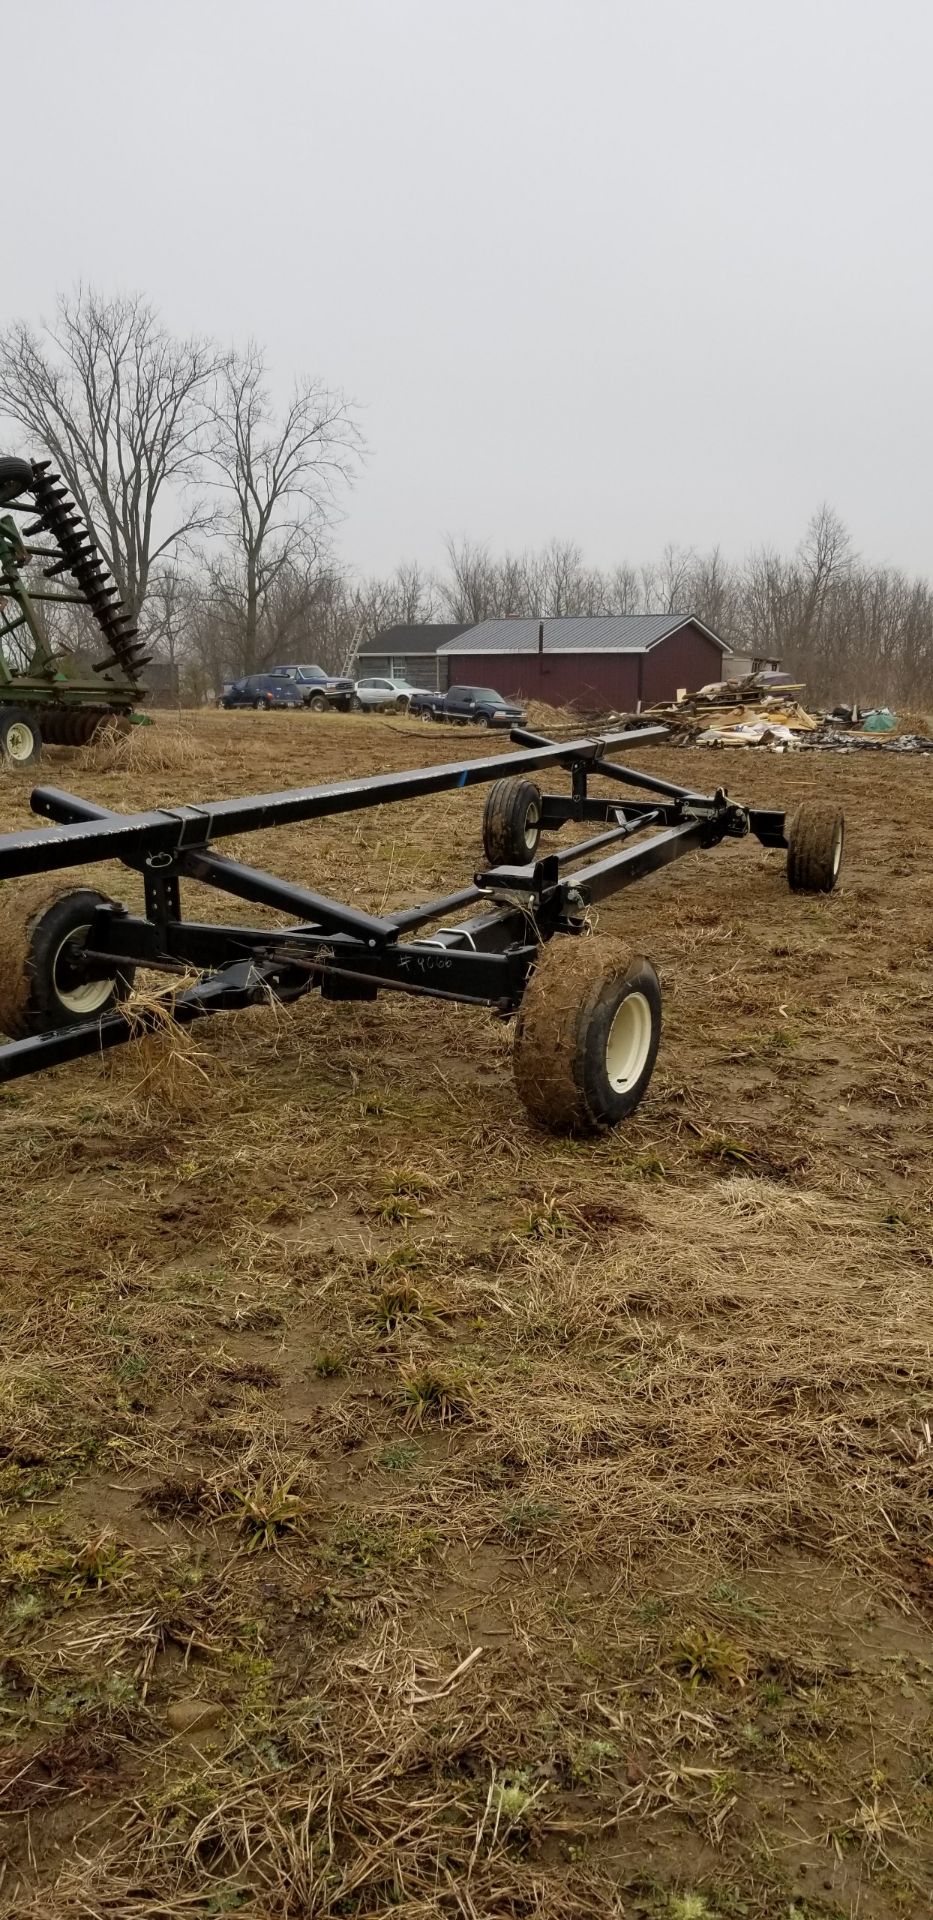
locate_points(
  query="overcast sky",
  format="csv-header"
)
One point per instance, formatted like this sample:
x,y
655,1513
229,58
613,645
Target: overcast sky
x,y
625,271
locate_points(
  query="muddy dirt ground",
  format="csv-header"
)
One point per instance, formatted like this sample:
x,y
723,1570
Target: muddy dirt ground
x,y
406,1512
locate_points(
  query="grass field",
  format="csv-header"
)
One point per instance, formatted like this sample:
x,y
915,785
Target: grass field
x,y
408,1513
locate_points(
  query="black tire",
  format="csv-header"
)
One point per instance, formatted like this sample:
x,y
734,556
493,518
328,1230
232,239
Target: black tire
x,y
815,845
512,823
15,477
20,738
317,703
355,705
401,703
588,1033
38,991
483,720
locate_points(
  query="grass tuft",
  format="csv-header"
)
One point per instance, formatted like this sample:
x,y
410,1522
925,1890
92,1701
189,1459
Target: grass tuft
x,y
429,1395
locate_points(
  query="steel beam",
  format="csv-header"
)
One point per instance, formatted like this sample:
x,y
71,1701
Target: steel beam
x,y
627,776
172,830
239,986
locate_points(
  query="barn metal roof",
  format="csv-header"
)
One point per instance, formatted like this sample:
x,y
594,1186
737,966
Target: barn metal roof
x,y
591,633
401,640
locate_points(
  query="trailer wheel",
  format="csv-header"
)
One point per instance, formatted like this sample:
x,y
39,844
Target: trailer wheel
x,y
815,843
41,929
20,739
587,1037
512,822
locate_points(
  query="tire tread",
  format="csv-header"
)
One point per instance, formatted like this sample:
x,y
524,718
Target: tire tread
x,y
811,843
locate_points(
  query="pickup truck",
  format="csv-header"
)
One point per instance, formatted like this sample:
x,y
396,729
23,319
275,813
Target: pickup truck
x,y
465,706
320,690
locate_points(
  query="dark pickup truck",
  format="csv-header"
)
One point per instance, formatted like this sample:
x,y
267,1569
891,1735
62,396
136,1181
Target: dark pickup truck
x,y
465,706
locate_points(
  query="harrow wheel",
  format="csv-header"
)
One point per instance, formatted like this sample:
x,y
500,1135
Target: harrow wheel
x,y
588,1033
815,844
15,478
74,726
20,738
42,929
512,822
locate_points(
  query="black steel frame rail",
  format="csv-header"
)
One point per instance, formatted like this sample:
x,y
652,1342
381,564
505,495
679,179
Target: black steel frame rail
x,y
170,830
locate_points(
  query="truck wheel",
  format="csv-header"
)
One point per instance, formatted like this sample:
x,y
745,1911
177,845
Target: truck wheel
x,y
815,843
588,1033
42,928
317,703
20,739
512,823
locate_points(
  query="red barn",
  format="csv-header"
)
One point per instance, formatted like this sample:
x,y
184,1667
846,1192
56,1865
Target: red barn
x,y
606,663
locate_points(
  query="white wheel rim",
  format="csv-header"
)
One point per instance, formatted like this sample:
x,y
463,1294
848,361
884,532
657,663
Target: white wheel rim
x,y
20,741
89,995
532,824
629,1042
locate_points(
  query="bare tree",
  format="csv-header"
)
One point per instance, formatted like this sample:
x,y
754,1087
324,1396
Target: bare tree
x,y
471,590
712,593
280,477
561,569
826,556
168,615
412,595
623,591
118,403
672,579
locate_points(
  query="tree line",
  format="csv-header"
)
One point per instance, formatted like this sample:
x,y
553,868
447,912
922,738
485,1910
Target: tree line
x,y
217,510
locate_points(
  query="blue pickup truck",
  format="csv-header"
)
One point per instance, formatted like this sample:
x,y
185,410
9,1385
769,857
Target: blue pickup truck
x,y
320,690
466,706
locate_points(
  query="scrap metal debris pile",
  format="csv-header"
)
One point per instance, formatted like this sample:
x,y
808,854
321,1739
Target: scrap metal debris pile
x,y
766,710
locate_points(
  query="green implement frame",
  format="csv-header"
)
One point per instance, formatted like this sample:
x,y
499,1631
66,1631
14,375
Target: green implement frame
x,y
44,693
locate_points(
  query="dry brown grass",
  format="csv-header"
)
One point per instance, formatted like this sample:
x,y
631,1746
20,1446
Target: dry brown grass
x,y
540,1528
168,745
